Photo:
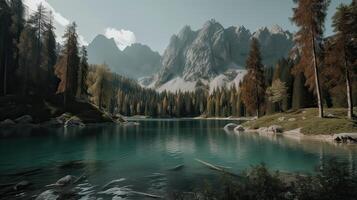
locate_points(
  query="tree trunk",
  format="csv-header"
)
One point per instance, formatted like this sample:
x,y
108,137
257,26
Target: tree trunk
x,y
100,95
65,94
317,79
5,77
349,91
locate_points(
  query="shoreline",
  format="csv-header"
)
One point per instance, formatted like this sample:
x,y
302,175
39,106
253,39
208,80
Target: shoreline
x,y
141,118
297,135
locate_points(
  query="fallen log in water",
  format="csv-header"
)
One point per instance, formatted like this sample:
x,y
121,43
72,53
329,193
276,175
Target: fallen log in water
x,y
177,168
147,195
214,167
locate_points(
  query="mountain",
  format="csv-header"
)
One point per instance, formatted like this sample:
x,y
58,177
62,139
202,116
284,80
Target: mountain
x,y
134,61
213,51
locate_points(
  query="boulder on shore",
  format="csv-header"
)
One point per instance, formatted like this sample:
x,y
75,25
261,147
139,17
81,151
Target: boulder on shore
x,y
275,129
230,127
7,122
63,118
26,119
239,129
74,122
345,138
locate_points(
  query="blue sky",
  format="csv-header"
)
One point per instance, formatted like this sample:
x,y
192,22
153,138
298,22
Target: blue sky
x,y
153,22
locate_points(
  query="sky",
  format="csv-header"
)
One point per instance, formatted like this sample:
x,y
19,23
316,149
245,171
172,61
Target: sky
x,y
153,22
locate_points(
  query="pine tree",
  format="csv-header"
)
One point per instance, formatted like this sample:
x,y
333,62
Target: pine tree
x,y
67,67
344,23
309,16
17,25
39,21
49,57
253,86
82,74
5,43
27,64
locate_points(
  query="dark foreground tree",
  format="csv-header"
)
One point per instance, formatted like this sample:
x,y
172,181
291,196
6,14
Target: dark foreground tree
x,y
49,57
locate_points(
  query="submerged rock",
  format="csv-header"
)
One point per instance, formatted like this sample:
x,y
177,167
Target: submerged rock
x,y
21,185
230,127
66,180
47,195
130,123
239,129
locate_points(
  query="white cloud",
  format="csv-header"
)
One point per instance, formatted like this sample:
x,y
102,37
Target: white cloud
x,y
59,18
122,38
82,41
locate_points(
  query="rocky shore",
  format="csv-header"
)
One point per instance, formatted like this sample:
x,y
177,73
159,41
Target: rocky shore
x,y
276,130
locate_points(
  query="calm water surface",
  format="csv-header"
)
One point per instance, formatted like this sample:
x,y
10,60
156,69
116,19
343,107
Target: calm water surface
x,y
144,157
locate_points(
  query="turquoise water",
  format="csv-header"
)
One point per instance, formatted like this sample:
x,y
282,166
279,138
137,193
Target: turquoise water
x,y
143,157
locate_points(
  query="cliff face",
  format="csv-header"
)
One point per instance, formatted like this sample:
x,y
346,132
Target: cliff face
x,y
212,50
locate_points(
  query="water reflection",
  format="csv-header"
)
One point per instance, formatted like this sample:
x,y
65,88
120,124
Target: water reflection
x,y
143,155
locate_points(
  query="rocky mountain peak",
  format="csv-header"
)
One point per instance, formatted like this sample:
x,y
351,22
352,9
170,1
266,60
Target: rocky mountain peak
x,y
134,61
276,29
212,50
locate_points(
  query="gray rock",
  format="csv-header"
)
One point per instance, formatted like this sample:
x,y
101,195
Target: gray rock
x,y
66,180
230,127
275,129
239,129
74,122
26,119
63,118
345,138
292,119
330,115
280,119
7,122
21,185
263,130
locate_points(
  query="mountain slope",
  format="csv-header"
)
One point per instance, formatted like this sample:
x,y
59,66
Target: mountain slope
x,y
208,53
134,61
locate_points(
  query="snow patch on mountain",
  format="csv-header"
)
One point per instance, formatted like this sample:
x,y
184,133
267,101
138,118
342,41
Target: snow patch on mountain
x,y
178,84
227,79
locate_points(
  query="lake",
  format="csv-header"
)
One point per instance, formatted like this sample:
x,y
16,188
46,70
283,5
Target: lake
x,y
156,157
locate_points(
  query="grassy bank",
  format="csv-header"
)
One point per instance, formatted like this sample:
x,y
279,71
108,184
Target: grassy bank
x,y
306,119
